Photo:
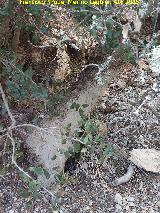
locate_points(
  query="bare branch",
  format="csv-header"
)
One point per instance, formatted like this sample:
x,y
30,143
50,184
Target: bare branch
x,y
9,135
33,126
20,169
7,107
75,139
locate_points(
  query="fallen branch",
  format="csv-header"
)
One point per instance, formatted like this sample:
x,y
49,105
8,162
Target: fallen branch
x,y
20,169
7,107
8,134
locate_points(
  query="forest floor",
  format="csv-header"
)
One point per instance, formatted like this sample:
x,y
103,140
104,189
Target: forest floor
x,y
89,187
94,191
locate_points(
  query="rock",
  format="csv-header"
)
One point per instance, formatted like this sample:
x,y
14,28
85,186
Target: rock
x,y
84,165
121,83
118,208
118,199
130,199
148,159
158,204
83,150
127,208
151,211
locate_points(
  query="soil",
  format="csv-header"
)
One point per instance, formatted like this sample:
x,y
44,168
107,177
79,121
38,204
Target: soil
x,y
89,187
94,191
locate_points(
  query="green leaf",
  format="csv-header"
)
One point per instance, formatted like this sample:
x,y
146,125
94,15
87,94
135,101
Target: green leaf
x,y
79,130
93,32
86,140
3,171
33,186
35,121
68,126
66,154
35,195
24,177
29,73
70,150
75,106
108,151
44,29
85,105
36,170
1,126
90,127
90,137
109,23
77,147
64,141
39,92
81,113
97,138
25,194
117,34
36,38
3,13
101,160
109,34
46,173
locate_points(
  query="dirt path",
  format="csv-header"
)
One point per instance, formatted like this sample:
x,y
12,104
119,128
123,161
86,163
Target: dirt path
x,y
47,145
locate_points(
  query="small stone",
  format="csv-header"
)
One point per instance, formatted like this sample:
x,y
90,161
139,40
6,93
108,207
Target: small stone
x,y
131,204
125,201
90,203
151,211
83,150
121,84
127,208
118,199
158,203
148,159
84,165
87,208
118,208
130,199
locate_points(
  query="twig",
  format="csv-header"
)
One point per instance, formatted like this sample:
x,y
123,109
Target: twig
x,y
27,125
7,107
9,135
126,177
20,169
33,126
1,176
75,139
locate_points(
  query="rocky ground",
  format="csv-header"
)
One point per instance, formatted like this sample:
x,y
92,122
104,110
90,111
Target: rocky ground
x,y
132,121
128,126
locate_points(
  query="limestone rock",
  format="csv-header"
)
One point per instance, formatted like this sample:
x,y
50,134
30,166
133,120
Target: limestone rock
x,y
148,159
